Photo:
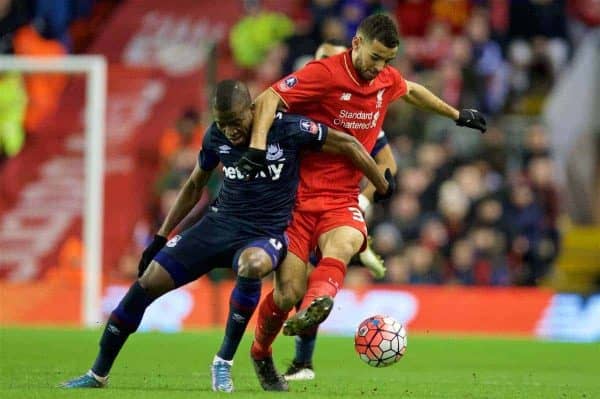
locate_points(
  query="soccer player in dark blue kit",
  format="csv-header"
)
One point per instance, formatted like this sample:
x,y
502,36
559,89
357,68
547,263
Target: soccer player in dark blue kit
x,y
244,227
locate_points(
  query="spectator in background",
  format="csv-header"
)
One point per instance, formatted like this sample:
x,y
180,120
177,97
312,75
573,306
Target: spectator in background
x,y
454,12
425,264
13,15
525,233
413,17
187,133
254,35
13,102
43,89
489,64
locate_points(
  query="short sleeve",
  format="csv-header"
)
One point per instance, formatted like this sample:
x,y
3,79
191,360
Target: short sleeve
x,y
379,144
208,159
302,130
306,84
399,88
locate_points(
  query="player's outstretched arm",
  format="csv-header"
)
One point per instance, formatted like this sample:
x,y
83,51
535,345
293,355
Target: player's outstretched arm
x,y
341,143
421,97
186,199
254,159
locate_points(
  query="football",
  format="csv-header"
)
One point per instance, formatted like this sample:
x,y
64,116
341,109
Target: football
x,y
380,341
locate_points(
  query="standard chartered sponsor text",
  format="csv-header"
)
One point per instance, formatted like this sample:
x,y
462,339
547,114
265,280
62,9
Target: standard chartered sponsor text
x,y
354,120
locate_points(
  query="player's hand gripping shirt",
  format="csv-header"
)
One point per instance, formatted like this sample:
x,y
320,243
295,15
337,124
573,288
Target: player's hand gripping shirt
x,y
330,92
266,201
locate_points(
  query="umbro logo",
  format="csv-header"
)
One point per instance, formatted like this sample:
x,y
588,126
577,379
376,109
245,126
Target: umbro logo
x,y
113,329
238,318
224,149
346,96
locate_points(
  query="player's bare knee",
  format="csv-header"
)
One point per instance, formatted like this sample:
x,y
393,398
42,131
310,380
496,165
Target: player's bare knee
x,y
341,243
343,251
254,263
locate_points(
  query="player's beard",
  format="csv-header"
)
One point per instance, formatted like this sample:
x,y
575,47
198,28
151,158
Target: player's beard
x,y
363,72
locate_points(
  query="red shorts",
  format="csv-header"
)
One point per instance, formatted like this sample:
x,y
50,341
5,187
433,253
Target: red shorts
x,y
306,228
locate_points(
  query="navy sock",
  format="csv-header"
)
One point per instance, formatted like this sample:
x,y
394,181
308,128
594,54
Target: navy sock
x,y
123,321
244,300
305,347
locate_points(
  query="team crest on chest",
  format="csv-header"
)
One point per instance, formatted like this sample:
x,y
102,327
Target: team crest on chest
x,y
274,152
379,100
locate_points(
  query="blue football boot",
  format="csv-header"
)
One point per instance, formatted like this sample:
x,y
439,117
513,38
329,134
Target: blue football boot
x,y
88,380
221,375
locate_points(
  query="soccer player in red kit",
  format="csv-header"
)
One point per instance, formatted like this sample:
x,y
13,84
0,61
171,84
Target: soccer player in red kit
x,y
349,92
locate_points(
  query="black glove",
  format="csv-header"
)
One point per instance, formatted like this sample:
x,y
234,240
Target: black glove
x,y
471,118
252,162
391,188
150,252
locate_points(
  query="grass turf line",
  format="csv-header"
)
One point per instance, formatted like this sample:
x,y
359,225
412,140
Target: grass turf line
x,y
153,365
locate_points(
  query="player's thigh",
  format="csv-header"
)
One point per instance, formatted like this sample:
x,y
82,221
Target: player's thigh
x,y
300,233
209,244
260,257
290,282
341,243
341,233
156,280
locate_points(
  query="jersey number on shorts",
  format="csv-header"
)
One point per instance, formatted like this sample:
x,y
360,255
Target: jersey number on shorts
x,y
356,214
275,243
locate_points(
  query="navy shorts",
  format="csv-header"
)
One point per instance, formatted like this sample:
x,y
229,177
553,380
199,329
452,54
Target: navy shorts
x,y
216,241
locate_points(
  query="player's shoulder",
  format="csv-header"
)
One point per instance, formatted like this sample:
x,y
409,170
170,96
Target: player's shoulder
x,y
213,135
285,123
325,65
389,75
212,131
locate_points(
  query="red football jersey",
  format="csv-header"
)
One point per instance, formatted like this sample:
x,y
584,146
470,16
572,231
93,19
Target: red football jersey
x,y
330,91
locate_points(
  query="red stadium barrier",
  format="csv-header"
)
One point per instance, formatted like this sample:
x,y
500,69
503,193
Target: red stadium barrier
x,y
515,311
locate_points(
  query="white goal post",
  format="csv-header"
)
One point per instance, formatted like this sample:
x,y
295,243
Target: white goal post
x,y
94,69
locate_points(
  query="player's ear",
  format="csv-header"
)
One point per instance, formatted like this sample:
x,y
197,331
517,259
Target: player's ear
x,y
356,42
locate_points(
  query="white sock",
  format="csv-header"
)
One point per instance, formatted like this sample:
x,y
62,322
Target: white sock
x,y
218,359
97,377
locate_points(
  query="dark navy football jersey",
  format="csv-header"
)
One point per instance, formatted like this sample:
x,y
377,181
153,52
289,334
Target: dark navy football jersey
x,y
267,200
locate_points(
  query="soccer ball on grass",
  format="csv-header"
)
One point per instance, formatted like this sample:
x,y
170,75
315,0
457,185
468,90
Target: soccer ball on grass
x,y
380,341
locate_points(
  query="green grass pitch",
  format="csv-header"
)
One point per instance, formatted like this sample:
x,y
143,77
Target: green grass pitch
x,y
153,365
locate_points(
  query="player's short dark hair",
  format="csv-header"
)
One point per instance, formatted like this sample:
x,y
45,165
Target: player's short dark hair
x,y
380,27
336,42
229,94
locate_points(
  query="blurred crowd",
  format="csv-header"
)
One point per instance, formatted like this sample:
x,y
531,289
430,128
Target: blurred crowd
x,y
470,209
39,28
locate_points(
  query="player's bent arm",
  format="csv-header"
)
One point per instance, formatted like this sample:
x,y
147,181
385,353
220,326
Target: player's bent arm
x,y
341,143
265,106
385,160
421,97
186,199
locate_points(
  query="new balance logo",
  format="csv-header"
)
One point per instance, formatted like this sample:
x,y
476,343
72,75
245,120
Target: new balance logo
x,y
346,96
